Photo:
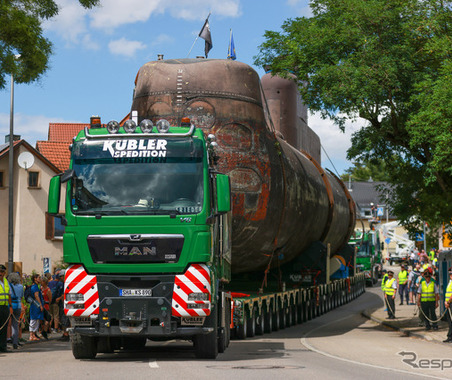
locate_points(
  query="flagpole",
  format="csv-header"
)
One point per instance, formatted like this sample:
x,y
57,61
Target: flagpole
x,y
196,39
230,36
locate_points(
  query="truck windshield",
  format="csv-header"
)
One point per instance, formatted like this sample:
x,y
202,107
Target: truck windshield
x,y
137,176
363,250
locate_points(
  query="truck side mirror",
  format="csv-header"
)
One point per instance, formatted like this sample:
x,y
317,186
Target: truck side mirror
x,y
53,205
223,193
67,175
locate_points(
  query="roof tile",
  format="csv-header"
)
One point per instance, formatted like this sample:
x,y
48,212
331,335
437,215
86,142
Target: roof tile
x,y
57,152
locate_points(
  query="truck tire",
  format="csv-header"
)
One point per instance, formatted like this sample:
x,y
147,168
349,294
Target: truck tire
x,y
83,347
224,334
206,345
260,324
251,330
282,318
276,320
268,321
241,330
288,312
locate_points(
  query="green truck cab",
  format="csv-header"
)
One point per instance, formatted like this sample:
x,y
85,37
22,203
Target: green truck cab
x,y
368,254
147,236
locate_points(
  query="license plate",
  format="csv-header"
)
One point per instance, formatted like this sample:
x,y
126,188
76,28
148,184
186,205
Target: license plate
x,y
193,321
135,292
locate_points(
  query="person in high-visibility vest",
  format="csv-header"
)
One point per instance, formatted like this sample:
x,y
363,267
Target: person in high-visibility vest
x,y
447,303
5,305
390,294
428,297
384,279
403,285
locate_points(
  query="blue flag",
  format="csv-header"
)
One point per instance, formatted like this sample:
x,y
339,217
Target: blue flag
x,y
231,49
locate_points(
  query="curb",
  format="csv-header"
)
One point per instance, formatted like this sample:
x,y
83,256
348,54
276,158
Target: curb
x,y
407,332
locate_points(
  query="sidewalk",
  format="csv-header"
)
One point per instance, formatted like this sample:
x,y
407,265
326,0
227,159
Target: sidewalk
x,y
407,322
26,335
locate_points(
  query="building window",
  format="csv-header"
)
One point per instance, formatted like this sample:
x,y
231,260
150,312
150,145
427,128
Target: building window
x,y
33,179
2,183
54,227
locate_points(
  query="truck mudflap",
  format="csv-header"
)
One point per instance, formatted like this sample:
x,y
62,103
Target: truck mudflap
x,y
147,305
192,292
83,300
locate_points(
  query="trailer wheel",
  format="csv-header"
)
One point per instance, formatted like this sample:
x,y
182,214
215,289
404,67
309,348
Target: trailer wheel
x,y
299,313
288,314
294,315
276,320
282,318
83,347
206,345
260,324
268,321
251,331
241,330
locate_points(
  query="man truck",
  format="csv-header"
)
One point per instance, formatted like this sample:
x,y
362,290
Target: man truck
x,y
203,216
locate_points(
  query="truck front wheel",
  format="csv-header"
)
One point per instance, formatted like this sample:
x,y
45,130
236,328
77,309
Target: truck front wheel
x,y
206,345
83,347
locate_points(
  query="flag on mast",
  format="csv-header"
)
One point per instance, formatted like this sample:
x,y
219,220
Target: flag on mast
x,y
231,48
205,34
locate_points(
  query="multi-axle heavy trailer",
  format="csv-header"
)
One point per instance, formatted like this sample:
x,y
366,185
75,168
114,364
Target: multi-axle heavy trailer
x,y
200,217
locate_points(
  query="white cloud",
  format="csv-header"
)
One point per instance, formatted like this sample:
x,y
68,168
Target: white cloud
x,y
72,20
302,7
162,39
125,47
31,128
70,23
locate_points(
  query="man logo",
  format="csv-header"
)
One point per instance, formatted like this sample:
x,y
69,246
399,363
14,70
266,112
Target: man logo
x,y
131,251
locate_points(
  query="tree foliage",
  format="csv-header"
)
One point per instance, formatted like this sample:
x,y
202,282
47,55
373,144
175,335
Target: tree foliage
x,y
21,33
390,63
371,170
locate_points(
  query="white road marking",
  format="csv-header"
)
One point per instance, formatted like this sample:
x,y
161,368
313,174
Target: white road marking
x,y
153,364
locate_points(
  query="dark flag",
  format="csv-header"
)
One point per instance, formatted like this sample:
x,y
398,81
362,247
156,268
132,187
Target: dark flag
x,y
205,34
231,49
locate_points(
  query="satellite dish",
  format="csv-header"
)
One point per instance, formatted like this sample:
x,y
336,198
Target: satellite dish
x,y
26,160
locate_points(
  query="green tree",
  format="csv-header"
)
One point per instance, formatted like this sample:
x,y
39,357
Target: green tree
x,y
21,33
364,171
390,63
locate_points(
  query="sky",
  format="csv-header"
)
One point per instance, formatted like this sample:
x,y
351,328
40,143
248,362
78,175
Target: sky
x,y
98,52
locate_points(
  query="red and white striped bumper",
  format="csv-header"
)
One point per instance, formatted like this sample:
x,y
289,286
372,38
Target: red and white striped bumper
x,y
194,281
77,281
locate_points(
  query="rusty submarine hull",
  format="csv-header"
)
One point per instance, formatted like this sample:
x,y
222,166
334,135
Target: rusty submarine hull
x,y
283,200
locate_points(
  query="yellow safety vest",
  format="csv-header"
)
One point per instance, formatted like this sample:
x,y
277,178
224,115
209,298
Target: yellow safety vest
x,y
389,290
424,267
383,281
4,292
428,291
403,277
448,291
432,255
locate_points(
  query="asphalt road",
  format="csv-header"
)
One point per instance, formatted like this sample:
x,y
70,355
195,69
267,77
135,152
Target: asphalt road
x,y
341,344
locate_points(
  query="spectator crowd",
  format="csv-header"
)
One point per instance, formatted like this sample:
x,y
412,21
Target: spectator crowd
x,y
31,302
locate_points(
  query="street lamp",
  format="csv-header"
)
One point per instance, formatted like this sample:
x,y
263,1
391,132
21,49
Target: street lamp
x,y
11,180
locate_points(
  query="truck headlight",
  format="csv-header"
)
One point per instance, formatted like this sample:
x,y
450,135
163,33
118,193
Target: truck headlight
x,y
198,297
